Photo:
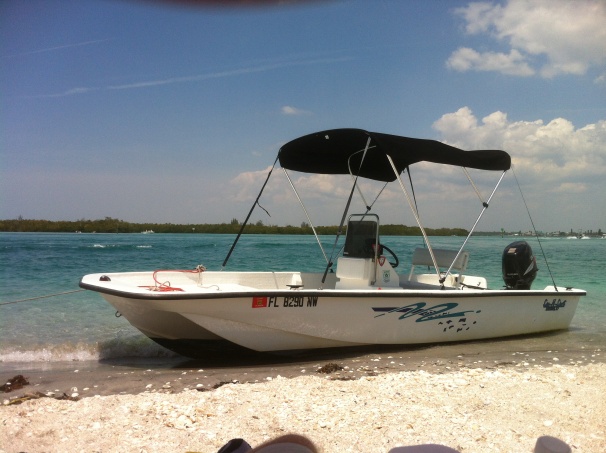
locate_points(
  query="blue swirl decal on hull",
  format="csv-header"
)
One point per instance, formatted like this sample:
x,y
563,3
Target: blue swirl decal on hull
x,y
424,313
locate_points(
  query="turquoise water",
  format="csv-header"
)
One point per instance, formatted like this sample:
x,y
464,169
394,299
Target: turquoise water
x,y
82,326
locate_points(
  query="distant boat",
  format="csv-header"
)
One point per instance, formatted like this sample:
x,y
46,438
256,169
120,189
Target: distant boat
x,y
147,232
579,236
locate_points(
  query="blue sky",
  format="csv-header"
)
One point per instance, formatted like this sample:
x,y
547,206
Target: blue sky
x,y
150,112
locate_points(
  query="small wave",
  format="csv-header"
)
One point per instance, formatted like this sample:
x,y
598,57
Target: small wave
x,y
52,354
135,346
105,246
144,246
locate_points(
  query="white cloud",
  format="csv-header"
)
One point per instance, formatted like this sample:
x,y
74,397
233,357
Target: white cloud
x,y
560,168
293,111
514,63
555,154
549,37
314,186
247,184
569,187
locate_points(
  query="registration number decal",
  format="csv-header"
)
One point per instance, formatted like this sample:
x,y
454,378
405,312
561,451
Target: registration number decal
x,y
285,302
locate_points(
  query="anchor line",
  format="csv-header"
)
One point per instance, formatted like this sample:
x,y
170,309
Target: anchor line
x,y
42,297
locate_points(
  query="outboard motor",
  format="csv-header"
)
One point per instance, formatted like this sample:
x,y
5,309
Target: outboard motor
x,y
519,265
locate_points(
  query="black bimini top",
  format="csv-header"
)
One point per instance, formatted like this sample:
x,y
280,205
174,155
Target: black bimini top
x,y
337,151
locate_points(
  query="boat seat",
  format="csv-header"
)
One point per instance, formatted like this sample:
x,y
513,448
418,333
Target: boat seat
x,y
354,272
361,237
444,258
357,268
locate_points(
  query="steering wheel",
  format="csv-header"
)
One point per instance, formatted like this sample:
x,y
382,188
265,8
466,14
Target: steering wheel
x,y
394,265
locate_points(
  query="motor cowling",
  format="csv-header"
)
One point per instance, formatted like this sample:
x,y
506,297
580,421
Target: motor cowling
x,y
519,265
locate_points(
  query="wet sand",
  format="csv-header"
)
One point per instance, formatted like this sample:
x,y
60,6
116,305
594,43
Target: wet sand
x,y
132,376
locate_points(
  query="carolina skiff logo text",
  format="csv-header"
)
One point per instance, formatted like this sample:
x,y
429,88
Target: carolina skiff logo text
x,y
554,305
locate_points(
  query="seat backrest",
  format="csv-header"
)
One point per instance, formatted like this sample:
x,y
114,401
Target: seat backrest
x,y
444,258
361,236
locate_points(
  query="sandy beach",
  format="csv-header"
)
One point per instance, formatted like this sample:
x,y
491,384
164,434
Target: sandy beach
x,y
362,403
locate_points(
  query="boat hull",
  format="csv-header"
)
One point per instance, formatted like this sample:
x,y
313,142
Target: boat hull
x,y
295,319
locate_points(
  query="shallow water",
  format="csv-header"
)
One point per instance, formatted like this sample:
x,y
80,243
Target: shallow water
x,y
82,326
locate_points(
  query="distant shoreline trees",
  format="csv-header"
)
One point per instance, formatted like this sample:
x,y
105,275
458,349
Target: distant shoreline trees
x,y
111,225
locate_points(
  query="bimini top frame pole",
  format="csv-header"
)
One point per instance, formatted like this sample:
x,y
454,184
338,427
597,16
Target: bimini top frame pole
x,y
306,215
414,212
249,214
485,205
